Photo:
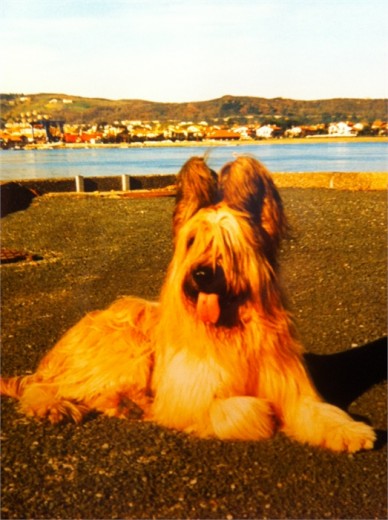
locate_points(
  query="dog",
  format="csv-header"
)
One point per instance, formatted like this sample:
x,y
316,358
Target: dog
x,y
218,355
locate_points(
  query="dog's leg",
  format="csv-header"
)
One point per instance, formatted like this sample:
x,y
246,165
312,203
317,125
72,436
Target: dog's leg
x,y
308,419
123,404
241,417
322,424
44,401
40,400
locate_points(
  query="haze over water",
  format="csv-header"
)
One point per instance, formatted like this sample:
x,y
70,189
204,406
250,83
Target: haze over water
x,y
301,157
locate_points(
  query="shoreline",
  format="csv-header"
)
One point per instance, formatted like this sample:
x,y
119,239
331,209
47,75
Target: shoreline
x,y
208,143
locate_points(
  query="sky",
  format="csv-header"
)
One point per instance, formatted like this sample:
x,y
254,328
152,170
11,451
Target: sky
x,y
195,50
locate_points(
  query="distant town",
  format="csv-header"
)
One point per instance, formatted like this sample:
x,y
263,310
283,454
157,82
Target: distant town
x,y
33,129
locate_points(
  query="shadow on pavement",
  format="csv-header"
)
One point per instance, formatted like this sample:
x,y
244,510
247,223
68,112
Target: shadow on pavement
x,y
343,377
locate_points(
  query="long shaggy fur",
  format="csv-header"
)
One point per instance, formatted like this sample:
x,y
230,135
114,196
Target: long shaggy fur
x,y
218,355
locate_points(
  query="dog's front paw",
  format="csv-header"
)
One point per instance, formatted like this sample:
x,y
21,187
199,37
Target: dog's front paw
x,y
322,424
350,437
242,417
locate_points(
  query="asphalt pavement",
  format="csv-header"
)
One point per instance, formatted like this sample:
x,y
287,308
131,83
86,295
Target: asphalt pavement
x,y
83,252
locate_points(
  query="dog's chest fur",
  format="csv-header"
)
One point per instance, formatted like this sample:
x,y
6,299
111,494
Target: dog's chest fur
x,y
194,371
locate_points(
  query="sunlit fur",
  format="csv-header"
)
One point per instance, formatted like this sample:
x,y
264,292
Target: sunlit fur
x,y
99,364
241,377
196,188
247,185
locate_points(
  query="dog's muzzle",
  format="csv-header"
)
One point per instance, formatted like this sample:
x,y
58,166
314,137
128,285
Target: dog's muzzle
x,y
205,286
209,280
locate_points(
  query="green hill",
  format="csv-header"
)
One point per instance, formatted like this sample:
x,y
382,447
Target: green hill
x,y
75,109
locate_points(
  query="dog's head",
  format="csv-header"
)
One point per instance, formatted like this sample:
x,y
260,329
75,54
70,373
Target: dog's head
x,y
226,237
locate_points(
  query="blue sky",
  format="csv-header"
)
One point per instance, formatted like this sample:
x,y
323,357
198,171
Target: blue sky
x,y
192,50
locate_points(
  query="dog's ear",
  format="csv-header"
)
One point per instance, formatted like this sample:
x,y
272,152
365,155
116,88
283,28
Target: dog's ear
x,y
196,188
246,185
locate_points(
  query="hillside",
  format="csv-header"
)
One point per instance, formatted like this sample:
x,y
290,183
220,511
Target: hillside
x,y
74,109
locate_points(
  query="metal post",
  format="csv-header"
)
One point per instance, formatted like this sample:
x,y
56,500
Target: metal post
x,y
79,184
125,183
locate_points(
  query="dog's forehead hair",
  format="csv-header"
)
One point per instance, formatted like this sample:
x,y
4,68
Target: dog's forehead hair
x,y
218,227
217,218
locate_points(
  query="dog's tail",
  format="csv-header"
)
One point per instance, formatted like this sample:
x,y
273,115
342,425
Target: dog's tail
x,y
14,386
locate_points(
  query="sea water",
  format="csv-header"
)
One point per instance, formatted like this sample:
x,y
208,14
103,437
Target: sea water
x,y
144,160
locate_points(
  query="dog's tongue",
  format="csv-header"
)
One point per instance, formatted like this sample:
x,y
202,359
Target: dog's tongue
x,y
208,307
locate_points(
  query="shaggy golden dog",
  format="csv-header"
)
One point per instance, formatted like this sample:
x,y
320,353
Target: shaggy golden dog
x,y
218,355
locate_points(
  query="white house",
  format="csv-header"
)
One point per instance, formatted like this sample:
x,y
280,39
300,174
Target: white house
x,y
341,129
265,132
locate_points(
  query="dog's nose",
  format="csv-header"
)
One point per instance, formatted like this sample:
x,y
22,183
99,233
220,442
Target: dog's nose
x,y
203,276
209,280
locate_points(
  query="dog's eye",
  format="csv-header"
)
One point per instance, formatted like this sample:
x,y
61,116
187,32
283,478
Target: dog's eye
x,y
190,242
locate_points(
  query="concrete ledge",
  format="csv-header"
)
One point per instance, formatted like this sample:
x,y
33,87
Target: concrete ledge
x,y
336,180
141,182
333,180
17,195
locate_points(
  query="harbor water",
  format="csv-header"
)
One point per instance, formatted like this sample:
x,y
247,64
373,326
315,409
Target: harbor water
x,y
143,160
